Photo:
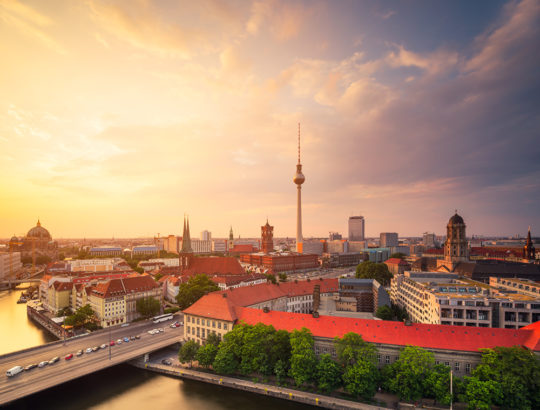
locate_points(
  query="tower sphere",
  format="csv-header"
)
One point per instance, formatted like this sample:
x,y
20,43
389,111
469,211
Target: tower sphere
x,y
299,178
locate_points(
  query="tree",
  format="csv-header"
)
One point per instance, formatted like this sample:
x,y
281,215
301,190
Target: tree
x,y
517,372
271,278
158,276
283,277
406,375
213,339
482,395
303,359
195,288
281,370
351,348
188,351
206,354
385,313
437,384
81,316
61,256
372,270
361,379
147,306
328,374
399,313
226,361
398,255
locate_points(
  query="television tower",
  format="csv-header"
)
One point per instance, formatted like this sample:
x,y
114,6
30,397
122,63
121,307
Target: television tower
x,y
299,180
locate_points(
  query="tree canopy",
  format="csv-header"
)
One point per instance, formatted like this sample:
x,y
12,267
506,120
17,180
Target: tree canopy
x,y
303,359
372,270
195,288
188,351
385,313
351,348
147,306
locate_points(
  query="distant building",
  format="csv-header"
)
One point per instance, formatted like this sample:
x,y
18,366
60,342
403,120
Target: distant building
x,y
334,236
336,260
37,239
369,294
10,264
337,246
172,244
357,246
397,266
528,250
143,250
106,251
267,238
388,239
456,247
428,240
314,247
377,255
219,245
206,235
356,228
201,246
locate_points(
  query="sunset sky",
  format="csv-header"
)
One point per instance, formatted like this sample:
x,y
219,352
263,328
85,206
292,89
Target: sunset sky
x,y
117,117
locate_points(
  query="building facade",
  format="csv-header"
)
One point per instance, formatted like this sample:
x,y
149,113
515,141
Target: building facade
x,y
10,264
356,228
388,239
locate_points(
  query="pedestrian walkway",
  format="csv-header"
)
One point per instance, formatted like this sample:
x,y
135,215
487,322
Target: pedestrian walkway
x,y
260,388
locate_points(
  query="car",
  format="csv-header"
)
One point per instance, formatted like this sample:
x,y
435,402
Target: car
x,y
126,339
69,356
112,343
160,329
43,363
103,346
173,325
132,338
88,350
181,323
167,362
79,352
118,341
137,337
150,332
30,367
54,360
95,348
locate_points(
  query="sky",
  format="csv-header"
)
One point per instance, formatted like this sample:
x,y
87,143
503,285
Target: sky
x,y
119,117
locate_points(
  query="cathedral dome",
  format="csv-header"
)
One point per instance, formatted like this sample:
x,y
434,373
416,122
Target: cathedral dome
x,y
39,232
456,219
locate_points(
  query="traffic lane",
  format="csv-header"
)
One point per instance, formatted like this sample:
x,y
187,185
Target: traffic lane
x,y
79,366
74,345
48,352
61,377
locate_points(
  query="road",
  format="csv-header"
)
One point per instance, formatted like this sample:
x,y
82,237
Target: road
x,y
37,379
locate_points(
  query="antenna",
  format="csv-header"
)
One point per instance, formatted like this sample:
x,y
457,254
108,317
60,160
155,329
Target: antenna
x,y
298,142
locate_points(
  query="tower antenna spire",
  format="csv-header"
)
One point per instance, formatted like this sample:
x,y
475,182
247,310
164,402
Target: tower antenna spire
x,y
299,143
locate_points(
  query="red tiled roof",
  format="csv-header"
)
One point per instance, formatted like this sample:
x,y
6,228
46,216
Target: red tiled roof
x,y
242,248
119,287
215,306
215,265
229,280
397,333
62,286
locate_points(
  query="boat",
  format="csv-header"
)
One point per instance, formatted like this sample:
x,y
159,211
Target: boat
x,y
22,299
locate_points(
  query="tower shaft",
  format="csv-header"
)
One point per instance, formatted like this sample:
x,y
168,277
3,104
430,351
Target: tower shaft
x,y
299,239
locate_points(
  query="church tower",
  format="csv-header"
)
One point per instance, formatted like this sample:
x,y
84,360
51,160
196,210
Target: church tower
x,y
528,250
267,238
456,247
186,253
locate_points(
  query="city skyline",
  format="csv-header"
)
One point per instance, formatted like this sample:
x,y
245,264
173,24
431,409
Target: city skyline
x,y
117,119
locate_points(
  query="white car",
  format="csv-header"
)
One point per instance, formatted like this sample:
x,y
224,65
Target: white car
x,y
88,350
43,364
119,341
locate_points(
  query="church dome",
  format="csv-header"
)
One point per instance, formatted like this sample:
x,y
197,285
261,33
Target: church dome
x,y
14,239
456,219
39,232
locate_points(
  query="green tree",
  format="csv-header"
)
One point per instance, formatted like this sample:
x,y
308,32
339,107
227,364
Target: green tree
x,y
81,316
61,256
158,276
517,372
399,313
283,277
226,361
372,270
147,306
385,313
398,255
213,339
482,395
328,374
195,288
437,384
206,354
271,278
281,370
188,352
303,359
361,379
405,377
351,348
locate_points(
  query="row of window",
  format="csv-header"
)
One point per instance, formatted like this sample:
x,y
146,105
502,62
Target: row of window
x,y
200,332
207,322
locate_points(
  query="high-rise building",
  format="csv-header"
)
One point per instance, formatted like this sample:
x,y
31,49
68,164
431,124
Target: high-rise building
x,y
299,180
206,235
429,240
334,236
389,239
356,228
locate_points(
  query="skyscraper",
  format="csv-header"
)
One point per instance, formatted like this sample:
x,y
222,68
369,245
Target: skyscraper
x,y
356,228
299,180
388,239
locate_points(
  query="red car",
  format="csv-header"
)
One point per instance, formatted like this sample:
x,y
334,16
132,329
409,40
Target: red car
x,y
69,356
112,343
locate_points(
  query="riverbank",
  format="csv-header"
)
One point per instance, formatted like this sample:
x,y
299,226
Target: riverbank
x,y
259,388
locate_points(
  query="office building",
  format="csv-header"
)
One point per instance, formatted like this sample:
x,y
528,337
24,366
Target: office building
x,y
206,235
356,228
388,239
10,264
428,240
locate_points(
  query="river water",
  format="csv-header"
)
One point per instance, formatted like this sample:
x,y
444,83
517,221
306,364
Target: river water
x,y
121,387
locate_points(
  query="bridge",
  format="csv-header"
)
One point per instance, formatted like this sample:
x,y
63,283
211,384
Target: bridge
x,y
9,282
38,379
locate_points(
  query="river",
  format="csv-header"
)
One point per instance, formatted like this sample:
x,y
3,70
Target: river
x,y
121,387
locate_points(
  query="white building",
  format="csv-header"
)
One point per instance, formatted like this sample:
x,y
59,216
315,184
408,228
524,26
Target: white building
x,y
200,246
166,261
10,264
219,245
429,240
206,235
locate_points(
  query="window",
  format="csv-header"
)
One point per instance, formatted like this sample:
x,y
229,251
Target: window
x,y
447,364
213,323
219,325
225,326
456,366
379,358
387,359
467,368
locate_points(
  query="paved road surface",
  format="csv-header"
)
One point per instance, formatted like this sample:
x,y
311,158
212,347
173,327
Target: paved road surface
x,y
37,379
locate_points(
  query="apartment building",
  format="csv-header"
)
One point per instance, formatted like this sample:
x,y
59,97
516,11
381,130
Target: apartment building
x,y
10,264
444,298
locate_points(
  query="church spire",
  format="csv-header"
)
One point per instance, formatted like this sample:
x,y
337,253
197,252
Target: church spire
x,y
186,239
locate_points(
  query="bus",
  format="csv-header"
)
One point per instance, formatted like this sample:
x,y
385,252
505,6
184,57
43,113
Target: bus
x,y
162,318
